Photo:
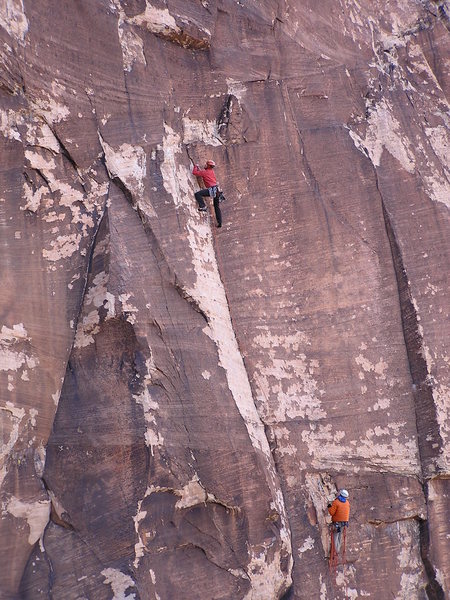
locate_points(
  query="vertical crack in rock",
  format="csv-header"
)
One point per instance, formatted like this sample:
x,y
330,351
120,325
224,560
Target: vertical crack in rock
x,y
86,276
434,589
209,293
429,438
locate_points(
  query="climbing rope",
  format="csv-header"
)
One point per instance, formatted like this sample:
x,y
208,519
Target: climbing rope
x,y
333,561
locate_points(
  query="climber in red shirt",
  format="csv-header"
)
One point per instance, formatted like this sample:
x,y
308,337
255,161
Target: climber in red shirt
x,y
211,189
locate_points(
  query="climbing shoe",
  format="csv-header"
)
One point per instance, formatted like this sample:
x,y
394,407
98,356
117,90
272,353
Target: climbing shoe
x,y
202,208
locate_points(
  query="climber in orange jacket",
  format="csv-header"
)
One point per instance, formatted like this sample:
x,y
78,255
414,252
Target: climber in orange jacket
x,y
211,189
340,513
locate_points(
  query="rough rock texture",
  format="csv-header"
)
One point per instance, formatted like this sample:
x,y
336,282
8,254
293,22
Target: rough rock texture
x,y
179,402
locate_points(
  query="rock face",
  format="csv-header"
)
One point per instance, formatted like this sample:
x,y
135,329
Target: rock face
x,y
179,402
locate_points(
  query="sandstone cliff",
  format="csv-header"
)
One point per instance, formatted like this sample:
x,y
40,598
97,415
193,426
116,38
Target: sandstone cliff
x,y
180,402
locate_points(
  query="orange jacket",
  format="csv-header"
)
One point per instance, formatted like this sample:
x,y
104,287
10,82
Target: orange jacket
x,y
339,511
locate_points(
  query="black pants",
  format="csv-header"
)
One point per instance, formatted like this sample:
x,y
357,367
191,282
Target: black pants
x,y
201,204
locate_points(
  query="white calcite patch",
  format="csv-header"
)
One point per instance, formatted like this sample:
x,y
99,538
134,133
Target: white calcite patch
x,y
12,350
40,134
132,48
139,546
236,88
264,575
284,378
62,247
384,133
13,19
82,206
10,418
119,583
34,197
36,515
441,397
153,437
386,447
9,124
308,544
131,43
156,20
96,297
193,493
438,189
128,308
129,164
378,368
409,561
51,109
439,140
205,132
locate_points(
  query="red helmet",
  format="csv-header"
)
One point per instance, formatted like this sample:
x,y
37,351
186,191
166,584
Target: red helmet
x,y
210,163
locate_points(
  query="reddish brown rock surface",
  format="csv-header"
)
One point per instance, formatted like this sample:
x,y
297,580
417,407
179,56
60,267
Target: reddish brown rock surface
x,y
180,402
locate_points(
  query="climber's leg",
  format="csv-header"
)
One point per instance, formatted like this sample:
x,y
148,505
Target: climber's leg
x,y
218,212
199,197
337,536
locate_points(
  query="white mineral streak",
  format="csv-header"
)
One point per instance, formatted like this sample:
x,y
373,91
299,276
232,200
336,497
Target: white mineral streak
x,y
438,189
192,494
13,19
33,198
40,134
205,132
156,20
394,451
9,123
161,22
63,247
439,140
50,109
129,164
128,309
441,397
153,437
119,583
308,544
131,44
265,577
287,381
17,332
209,292
97,296
418,60
70,197
15,416
12,356
36,514
236,88
384,133
409,560
132,48
139,546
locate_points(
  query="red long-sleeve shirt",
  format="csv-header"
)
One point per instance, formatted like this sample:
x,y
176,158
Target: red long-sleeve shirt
x,y
209,177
